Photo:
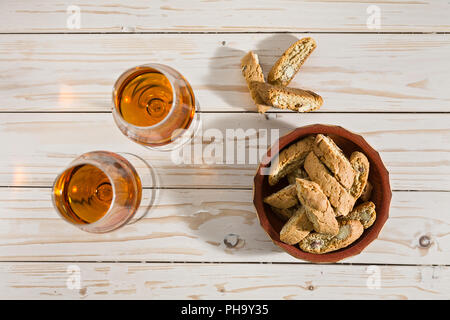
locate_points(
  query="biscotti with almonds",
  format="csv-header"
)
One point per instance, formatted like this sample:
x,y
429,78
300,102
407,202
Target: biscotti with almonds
x,y
284,70
335,160
252,72
296,228
283,199
285,214
339,197
318,208
288,98
364,213
298,173
349,232
289,159
360,164
367,193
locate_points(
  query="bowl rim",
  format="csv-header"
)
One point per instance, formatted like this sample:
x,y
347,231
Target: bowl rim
x,y
368,236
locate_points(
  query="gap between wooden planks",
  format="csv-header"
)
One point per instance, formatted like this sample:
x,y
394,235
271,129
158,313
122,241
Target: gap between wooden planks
x,y
224,16
36,147
191,225
221,281
353,72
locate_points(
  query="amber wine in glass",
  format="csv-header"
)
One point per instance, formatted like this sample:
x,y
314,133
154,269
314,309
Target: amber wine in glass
x,y
155,106
98,192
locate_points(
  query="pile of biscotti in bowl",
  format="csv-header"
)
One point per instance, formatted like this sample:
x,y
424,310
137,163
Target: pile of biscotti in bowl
x,y
324,195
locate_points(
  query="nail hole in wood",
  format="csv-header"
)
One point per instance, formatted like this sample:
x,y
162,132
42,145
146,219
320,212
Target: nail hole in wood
x,y
127,29
310,287
270,116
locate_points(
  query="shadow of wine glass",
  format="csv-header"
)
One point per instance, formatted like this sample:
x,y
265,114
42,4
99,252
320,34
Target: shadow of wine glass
x,y
150,185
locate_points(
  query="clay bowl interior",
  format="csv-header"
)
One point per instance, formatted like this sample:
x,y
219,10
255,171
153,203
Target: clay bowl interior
x,y
348,142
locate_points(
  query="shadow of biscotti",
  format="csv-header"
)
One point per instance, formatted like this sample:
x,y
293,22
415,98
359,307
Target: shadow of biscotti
x,y
270,49
225,79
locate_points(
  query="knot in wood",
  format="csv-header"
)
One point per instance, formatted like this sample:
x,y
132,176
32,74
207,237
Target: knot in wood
x,y
231,240
425,241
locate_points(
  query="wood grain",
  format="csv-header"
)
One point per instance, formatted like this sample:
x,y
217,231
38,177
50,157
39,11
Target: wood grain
x,y
215,281
36,147
191,225
224,16
56,97
353,72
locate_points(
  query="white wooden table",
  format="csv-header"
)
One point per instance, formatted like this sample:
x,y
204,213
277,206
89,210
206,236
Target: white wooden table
x,y
389,84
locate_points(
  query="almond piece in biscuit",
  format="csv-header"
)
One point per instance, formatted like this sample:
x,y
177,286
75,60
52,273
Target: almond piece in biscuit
x,y
367,193
318,208
285,214
289,159
288,98
364,213
252,72
360,164
349,232
283,199
284,70
299,173
331,155
297,227
339,197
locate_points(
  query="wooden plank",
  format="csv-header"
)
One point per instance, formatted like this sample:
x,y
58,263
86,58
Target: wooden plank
x,y
191,225
224,16
219,281
353,72
36,147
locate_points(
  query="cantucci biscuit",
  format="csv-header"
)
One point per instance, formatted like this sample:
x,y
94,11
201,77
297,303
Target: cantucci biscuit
x,y
286,213
252,72
360,164
296,228
339,197
288,98
284,70
299,173
289,159
367,193
331,155
364,213
283,199
317,207
349,232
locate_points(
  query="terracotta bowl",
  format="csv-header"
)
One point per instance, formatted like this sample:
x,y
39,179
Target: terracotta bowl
x,y
348,142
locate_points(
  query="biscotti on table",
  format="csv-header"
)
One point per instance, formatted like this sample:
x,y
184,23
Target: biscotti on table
x,y
321,187
275,92
252,72
287,66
